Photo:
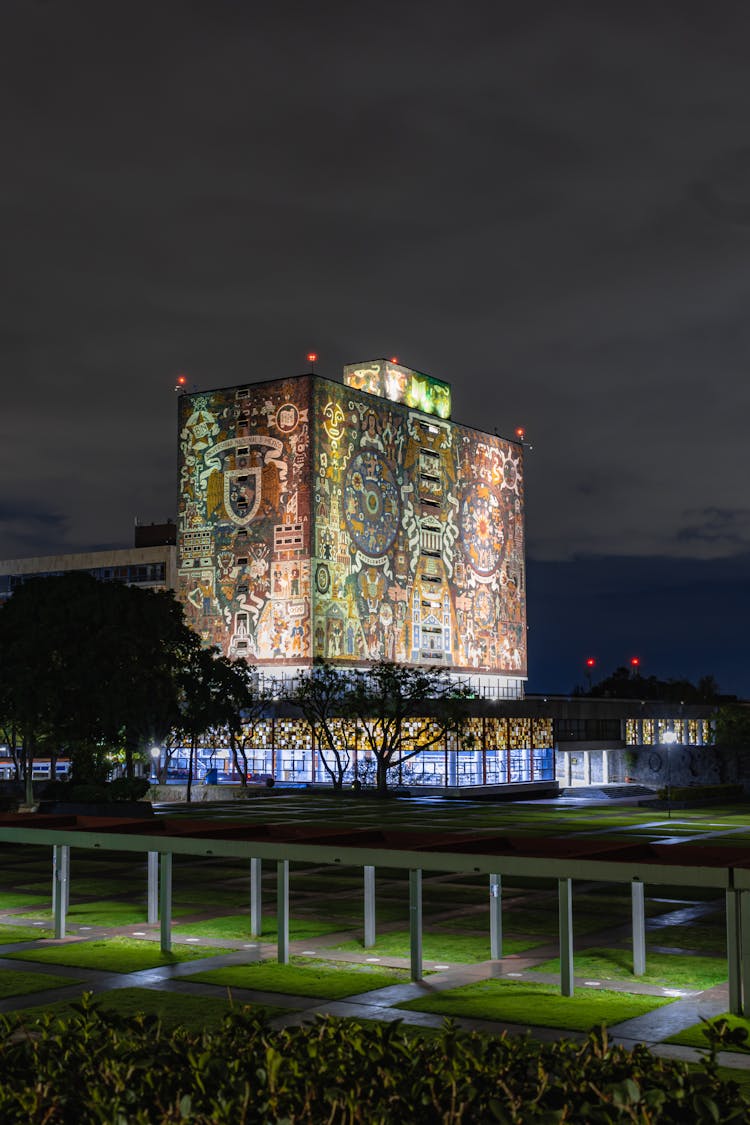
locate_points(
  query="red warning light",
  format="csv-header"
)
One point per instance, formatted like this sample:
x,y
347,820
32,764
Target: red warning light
x,y
635,661
180,383
520,433
394,359
590,662
312,357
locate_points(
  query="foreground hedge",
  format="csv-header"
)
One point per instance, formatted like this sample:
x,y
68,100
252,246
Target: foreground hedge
x,y
100,1067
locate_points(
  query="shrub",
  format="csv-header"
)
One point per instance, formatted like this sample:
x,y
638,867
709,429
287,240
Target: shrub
x,y
99,1067
128,788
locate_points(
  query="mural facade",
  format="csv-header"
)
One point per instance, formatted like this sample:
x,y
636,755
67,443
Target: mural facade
x,y
418,538
319,520
244,519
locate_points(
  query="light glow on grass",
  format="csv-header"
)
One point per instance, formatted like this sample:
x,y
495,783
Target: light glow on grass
x,y
663,969
330,980
115,955
535,1005
236,927
455,948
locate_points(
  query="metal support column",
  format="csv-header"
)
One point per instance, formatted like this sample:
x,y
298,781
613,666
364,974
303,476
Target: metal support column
x,y
744,917
60,886
415,922
496,917
282,910
638,906
153,888
165,901
256,897
369,907
734,952
565,900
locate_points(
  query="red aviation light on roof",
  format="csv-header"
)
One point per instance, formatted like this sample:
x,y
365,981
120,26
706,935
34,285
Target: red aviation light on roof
x,y
520,433
312,358
180,383
635,662
394,359
590,662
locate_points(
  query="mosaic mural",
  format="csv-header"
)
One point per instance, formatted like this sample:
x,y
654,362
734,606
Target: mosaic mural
x,y
418,538
319,520
244,519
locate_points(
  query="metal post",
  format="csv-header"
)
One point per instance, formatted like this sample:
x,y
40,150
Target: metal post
x,y
734,953
165,901
415,922
638,907
565,900
256,897
496,917
369,907
153,888
744,918
60,889
282,911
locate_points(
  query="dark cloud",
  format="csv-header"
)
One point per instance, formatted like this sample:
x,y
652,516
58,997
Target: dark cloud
x,y
547,207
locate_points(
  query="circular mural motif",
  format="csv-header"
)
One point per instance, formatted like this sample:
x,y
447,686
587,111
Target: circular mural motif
x,y
322,579
371,505
482,533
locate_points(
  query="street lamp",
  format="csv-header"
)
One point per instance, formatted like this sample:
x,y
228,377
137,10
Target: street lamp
x,y
155,756
669,738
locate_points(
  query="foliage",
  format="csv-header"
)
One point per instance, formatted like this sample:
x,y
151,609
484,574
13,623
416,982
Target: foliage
x,y
712,794
384,697
99,1066
322,698
89,663
74,792
624,683
733,725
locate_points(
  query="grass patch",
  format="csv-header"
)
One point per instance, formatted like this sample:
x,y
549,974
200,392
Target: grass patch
x,y
664,969
102,914
236,927
695,1036
536,1005
19,983
114,955
437,947
325,979
17,900
172,1008
11,934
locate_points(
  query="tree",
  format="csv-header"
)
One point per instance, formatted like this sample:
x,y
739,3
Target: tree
x,y
214,693
91,664
384,699
626,684
733,726
323,698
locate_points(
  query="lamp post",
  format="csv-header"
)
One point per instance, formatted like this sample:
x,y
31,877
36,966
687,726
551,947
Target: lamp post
x,y
155,756
669,738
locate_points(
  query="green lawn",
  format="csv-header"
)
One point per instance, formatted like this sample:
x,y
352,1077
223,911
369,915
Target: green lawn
x,y
172,1008
103,913
461,948
12,934
536,1005
326,979
19,900
236,927
663,969
114,955
695,1036
18,983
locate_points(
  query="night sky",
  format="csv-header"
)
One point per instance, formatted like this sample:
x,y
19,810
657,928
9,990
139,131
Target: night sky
x,y
547,205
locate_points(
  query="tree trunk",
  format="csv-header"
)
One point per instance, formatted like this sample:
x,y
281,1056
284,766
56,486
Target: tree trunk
x,y
190,769
28,762
382,777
